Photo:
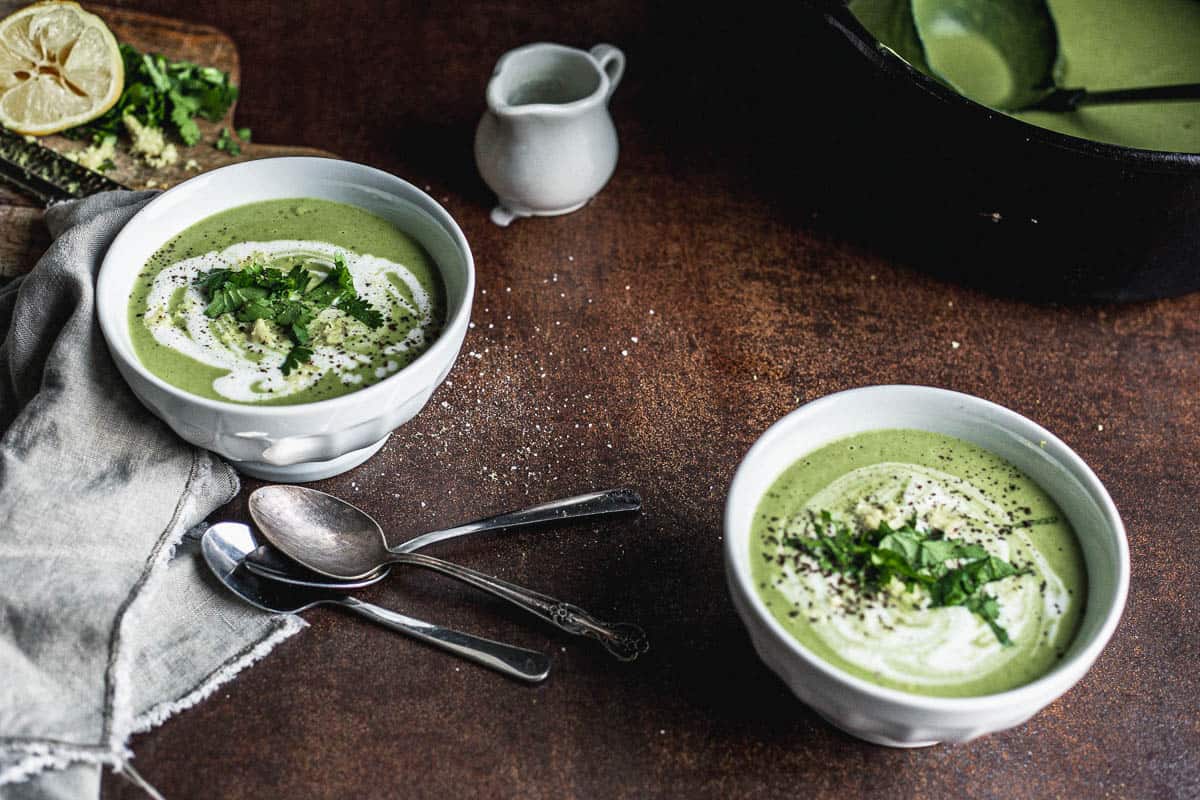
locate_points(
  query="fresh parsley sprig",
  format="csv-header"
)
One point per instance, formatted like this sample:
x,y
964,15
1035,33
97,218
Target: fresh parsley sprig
x,y
953,572
287,299
165,94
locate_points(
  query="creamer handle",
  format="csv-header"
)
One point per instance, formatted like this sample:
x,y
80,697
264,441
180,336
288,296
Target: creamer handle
x,y
612,61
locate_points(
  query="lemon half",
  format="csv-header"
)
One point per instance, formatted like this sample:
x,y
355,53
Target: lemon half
x,y
59,67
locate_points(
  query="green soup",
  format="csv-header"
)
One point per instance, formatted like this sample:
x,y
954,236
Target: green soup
x,y
967,507
1118,44
1104,44
242,356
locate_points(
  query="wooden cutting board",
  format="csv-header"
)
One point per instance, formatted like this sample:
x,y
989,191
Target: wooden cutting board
x,y
23,235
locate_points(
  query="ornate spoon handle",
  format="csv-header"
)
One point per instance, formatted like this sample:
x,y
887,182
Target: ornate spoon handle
x,y
622,639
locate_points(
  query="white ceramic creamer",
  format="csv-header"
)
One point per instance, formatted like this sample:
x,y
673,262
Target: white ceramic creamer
x,y
546,144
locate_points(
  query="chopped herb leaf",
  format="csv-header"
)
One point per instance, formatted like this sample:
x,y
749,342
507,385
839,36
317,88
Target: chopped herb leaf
x,y
257,291
227,143
361,310
298,355
953,572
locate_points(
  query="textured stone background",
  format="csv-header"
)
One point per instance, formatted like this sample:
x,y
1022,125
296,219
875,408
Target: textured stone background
x,y
646,341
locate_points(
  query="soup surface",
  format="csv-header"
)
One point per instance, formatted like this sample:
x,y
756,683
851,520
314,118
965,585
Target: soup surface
x,y
285,301
919,562
1104,44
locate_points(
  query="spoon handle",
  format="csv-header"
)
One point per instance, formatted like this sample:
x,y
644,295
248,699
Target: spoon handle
x,y
622,639
612,501
517,662
1071,99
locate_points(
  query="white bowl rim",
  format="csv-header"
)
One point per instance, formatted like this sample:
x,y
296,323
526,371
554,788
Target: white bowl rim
x,y
1030,694
436,350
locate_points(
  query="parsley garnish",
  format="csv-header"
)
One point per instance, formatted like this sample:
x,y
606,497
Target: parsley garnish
x,y
361,310
295,357
229,144
257,291
164,94
872,558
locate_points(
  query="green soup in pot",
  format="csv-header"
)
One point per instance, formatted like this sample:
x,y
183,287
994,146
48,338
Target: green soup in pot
x,y
1103,44
223,358
955,497
1118,44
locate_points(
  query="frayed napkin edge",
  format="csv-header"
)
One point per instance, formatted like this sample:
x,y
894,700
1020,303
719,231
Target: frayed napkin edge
x,y
40,756
289,626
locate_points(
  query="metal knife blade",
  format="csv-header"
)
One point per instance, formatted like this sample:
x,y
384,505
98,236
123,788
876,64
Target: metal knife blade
x,y
43,173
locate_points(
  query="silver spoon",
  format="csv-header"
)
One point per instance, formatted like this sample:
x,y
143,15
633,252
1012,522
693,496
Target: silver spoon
x,y
226,544
267,562
334,538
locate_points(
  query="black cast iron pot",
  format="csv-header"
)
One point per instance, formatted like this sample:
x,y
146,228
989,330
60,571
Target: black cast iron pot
x,y
976,196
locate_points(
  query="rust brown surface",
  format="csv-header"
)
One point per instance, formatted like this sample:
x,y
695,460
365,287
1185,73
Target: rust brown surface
x,y
742,309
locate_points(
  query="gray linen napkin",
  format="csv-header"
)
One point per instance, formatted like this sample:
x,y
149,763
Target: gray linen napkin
x,y
108,624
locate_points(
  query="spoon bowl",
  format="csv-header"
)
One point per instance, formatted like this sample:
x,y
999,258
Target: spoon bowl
x,y
225,546
331,537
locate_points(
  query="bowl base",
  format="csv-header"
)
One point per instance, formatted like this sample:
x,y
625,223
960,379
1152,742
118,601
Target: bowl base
x,y
309,470
880,740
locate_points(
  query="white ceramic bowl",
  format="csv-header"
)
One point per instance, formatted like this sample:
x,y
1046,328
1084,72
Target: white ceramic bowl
x,y
887,716
306,441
